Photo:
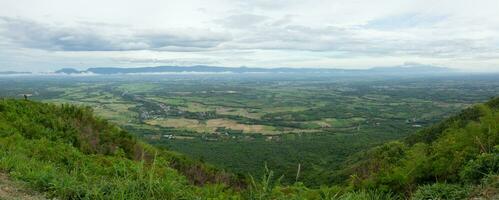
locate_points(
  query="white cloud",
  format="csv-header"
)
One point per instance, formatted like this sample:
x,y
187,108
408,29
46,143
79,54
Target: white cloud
x,y
44,35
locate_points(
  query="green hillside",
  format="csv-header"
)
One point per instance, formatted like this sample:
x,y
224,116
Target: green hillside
x,y
68,153
440,162
64,151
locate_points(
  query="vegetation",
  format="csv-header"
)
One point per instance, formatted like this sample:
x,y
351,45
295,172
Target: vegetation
x,y
436,164
66,152
281,120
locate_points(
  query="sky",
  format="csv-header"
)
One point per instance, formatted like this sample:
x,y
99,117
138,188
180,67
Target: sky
x,y
48,35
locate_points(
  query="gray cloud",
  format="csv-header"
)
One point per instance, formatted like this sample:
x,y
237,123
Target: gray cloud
x,y
192,39
360,41
93,37
259,32
33,35
282,32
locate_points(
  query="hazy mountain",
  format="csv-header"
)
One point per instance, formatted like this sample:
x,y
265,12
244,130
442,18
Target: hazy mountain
x,y
68,71
13,73
411,68
402,69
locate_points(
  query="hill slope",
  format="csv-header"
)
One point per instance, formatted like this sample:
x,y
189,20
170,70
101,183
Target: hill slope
x,y
68,153
458,152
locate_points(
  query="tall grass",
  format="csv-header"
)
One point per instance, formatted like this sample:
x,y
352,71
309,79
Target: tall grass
x,y
66,173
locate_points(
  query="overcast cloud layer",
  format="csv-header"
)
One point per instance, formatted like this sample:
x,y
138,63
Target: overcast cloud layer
x,y
50,34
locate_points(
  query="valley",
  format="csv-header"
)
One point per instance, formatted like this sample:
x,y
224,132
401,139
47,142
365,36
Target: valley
x,y
245,122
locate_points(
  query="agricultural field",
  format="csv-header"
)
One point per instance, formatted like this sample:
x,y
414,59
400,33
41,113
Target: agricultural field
x,y
244,122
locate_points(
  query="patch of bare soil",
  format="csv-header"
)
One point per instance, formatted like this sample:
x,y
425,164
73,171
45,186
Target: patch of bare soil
x,y
11,190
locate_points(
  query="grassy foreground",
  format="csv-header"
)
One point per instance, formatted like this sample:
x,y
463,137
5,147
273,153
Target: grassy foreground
x,y
64,151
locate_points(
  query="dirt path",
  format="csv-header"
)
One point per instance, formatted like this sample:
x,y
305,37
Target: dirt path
x,y
10,190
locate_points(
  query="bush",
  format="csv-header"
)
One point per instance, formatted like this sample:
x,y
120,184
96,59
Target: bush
x,y
485,164
488,188
368,195
441,191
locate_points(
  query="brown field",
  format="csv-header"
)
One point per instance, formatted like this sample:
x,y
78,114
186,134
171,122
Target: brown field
x,y
211,125
238,112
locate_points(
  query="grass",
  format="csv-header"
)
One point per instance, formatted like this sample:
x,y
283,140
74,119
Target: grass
x,y
67,153
64,172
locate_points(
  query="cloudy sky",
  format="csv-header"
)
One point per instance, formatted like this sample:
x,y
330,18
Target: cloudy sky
x,y
50,34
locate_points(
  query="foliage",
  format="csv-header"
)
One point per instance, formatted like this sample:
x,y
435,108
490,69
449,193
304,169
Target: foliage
x,y
465,152
485,164
69,154
441,191
488,188
368,195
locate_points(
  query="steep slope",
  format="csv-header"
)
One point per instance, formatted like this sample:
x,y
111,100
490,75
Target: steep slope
x,y
452,155
460,120
68,153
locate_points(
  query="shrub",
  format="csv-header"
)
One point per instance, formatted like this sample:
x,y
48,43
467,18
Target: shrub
x,y
441,191
485,164
488,188
368,195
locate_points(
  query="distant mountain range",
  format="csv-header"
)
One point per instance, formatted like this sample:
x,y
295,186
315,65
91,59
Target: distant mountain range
x,y
406,69
402,69
13,72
